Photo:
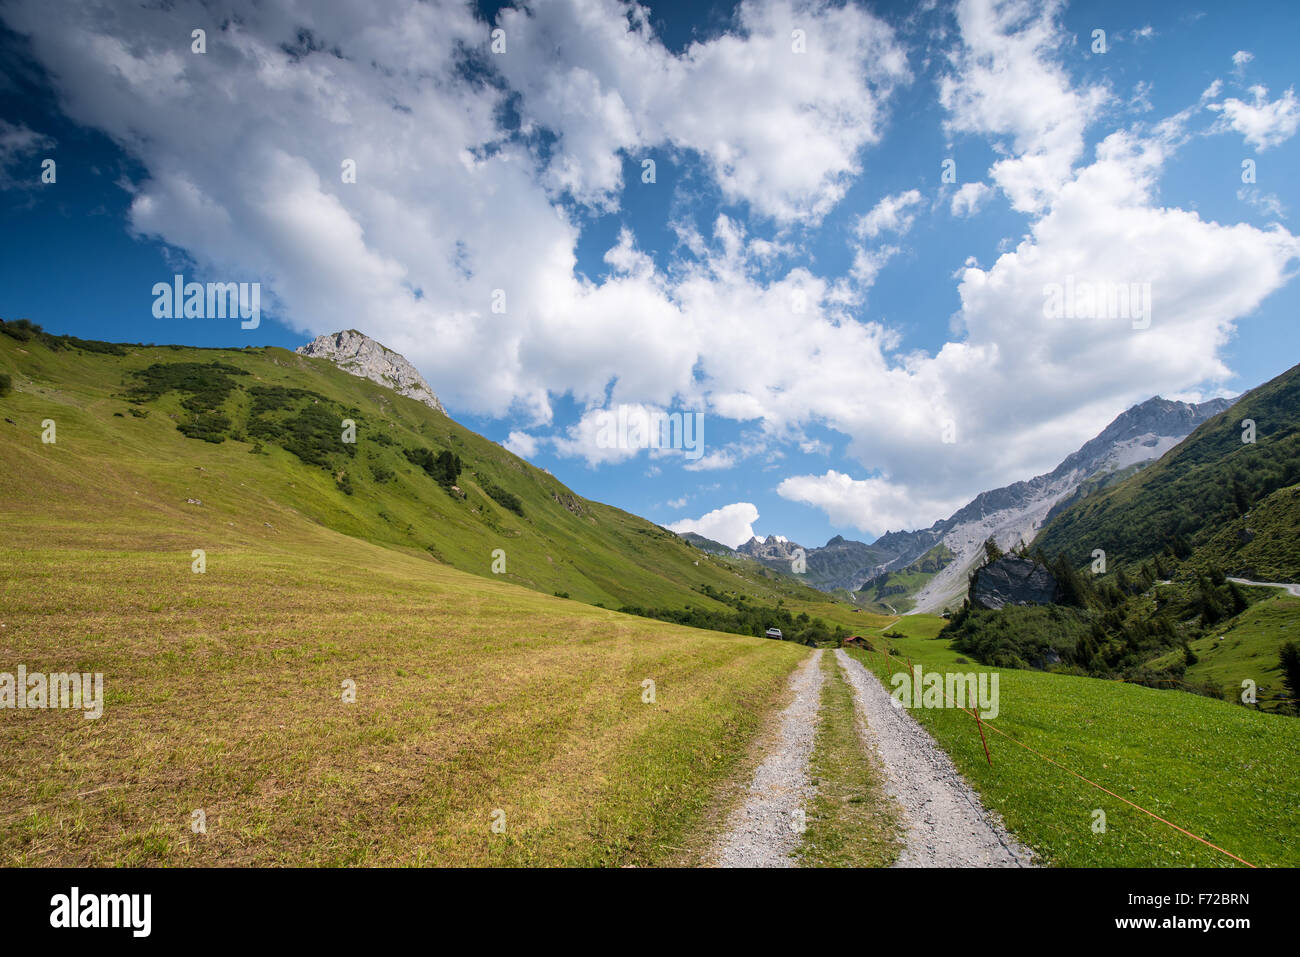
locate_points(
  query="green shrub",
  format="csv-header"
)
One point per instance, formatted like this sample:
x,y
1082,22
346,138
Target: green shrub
x,y
208,426
1289,659
21,329
6,383
205,385
501,496
313,432
85,345
444,468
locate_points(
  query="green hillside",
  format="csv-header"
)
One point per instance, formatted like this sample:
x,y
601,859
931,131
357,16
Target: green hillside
x,y
262,429
1260,545
1134,625
1246,647
477,702
1211,480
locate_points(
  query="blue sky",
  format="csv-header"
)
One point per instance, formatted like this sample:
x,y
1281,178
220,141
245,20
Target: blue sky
x,y
866,343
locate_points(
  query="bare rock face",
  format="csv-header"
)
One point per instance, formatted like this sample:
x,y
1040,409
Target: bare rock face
x,y
362,356
1013,580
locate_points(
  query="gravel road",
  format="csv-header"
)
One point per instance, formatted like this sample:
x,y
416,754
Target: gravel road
x,y
1291,589
945,823
768,826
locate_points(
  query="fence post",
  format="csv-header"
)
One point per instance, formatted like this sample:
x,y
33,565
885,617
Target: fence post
x,y
980,724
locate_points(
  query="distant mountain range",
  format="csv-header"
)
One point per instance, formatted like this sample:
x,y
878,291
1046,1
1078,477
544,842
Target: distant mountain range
x,y
840,563
1009,515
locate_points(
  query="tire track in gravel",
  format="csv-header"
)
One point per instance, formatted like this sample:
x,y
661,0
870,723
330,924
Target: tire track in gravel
x,y
946,824
767,828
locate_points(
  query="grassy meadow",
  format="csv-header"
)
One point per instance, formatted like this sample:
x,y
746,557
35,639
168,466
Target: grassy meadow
x,y
224,689
1247,646
1217,769
223,692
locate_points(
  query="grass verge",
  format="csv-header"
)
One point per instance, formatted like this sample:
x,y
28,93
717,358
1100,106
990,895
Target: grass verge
x,y
851,822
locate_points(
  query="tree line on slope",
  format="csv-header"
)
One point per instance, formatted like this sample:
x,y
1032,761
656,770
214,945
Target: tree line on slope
x,y
748,618
1111,625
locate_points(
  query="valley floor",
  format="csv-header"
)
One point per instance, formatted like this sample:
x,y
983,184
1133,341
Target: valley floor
x,y
493,725
490,725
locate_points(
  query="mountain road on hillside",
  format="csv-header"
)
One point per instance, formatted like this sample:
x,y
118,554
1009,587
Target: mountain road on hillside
x,y
1291,589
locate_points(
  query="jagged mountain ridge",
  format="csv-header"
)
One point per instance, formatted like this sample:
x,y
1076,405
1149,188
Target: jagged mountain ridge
x,y
1139,435
840,563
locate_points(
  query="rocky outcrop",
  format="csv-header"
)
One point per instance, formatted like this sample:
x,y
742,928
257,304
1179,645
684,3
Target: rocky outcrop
x,y
1012,580
772,549
362,356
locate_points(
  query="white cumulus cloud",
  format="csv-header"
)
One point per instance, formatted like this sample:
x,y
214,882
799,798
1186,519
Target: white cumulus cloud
x,y
892,214
969,198
732,525
1262,122
522,444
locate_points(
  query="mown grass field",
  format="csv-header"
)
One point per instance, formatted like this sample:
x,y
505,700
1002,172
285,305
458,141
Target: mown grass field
x,y
851,821
224,693
224,690
1222,771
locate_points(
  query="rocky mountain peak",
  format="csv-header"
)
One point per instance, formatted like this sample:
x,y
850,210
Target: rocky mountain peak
x,y
771,548
357,353
1118,444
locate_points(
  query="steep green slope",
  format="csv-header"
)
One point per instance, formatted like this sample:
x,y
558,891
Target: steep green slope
x,y
1260,545
264,426
1198,489
1245,648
